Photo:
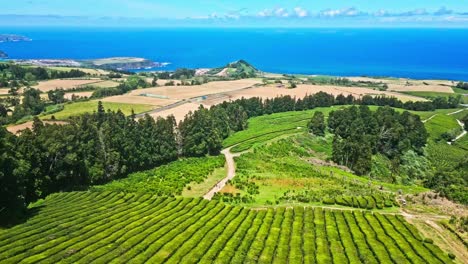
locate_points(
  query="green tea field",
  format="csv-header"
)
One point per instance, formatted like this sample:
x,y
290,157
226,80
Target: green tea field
x,y
111,227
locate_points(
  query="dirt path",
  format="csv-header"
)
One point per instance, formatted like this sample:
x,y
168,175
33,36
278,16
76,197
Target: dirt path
x,y
456,112
231,172
424,121
464,131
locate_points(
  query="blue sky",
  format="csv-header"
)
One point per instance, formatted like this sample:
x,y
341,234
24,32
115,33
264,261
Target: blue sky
x,y
306,13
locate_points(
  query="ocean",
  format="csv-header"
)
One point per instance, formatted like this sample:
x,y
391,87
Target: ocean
x,y
412,53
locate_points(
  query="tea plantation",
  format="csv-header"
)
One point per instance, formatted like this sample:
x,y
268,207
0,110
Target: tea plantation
x,y
111,227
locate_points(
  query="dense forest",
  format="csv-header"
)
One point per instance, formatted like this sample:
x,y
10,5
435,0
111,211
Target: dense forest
x,y
103,146
361,133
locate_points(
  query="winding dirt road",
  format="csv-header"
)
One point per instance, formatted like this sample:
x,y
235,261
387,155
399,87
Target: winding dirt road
x,y
231,173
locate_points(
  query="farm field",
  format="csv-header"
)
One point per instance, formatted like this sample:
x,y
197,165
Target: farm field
x,y
187,92
111,227
45,86
430,95
403,84
79,108
302,90
232,91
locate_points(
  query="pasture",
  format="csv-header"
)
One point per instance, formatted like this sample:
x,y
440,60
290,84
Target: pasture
x,y
111,227
79,108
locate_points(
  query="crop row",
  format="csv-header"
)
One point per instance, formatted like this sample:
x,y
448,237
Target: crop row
x,y
376,201
93,227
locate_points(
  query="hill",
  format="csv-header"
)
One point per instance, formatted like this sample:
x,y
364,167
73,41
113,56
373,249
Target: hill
x,y
237,69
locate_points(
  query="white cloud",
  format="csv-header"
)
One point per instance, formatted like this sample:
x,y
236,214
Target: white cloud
x,y
301,12
345,12
281,12
415,12
265,13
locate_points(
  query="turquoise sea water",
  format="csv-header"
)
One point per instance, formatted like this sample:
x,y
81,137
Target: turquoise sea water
x,y
415,53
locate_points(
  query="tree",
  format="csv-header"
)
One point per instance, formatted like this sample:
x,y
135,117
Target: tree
x,y
57,96
154,82
12,201
32,102
317,124
199,133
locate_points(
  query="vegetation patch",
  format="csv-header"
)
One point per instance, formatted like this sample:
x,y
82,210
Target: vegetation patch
x,y
167,180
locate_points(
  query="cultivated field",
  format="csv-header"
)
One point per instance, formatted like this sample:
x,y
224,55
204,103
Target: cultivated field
x,y
66,84
138,99
110,227
186,92
76,109
233,93
402,84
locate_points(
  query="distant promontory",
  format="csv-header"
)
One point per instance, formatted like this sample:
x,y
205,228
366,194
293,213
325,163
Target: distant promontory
x,y
13,38
3,55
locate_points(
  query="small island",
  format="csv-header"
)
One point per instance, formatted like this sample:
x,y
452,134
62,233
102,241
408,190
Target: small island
x,y
13,38
3,55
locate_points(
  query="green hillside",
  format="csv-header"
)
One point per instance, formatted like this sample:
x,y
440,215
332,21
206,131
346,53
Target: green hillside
x,y
238,69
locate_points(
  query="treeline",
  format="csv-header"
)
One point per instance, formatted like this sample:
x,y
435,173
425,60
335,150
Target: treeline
x,y
347,82
13,75
181,73
103,146
360,133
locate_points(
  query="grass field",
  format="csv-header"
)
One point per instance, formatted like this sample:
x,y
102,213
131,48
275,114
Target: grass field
x,y
441,124
264,128
79,108
109,227
293,170
459,90
430,95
